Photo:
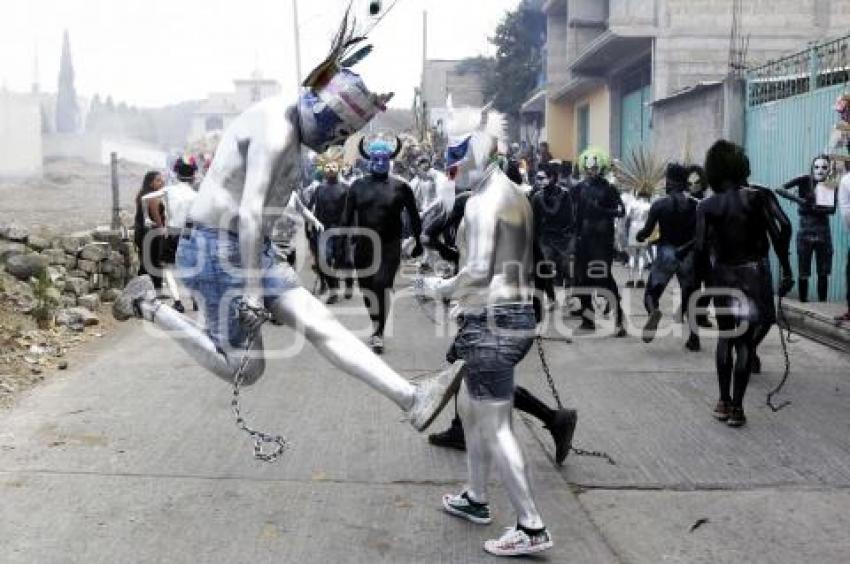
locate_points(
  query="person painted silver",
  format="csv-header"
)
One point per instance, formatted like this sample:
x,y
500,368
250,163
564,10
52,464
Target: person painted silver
x,y
496,272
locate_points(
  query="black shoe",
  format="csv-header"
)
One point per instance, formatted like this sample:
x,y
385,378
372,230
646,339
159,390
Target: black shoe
x,y
332,299
702,321
755,365
651,326
587,324
630,284
620,332
736,417
451,437
178,307
693,343
640,284
349,292
194,304
562,429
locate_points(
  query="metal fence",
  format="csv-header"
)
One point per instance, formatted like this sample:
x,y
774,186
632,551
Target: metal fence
x,y
789,119
820,66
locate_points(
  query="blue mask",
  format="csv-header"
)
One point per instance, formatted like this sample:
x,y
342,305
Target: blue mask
x,y
380,163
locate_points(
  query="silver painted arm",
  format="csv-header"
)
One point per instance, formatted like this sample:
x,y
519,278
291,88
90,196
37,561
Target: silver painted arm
x,y
296,202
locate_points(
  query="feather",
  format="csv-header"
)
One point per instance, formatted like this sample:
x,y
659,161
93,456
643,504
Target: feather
x,y
358,56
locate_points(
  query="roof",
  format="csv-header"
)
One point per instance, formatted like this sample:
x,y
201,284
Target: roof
x,y
689,91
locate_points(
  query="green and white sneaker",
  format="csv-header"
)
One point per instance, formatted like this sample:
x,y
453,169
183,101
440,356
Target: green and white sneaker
x,y
462,505
516,542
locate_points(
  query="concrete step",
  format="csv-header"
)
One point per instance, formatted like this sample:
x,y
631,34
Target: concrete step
x,y
817,322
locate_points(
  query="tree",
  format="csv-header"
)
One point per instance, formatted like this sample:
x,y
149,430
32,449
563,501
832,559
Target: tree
x,y
519,41
67,112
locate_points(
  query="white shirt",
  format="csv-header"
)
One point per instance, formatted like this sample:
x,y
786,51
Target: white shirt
x,y
844,200
178,202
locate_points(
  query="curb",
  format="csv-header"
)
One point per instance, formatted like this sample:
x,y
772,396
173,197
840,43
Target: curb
x,y
816,326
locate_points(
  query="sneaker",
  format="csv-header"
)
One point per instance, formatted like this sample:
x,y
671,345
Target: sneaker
x,y
630,284
450,438
178,307
432,396
640,284
721,410
516,542
127,305
376,343
332,299
349,292
651,326
736,417
562,430
462,505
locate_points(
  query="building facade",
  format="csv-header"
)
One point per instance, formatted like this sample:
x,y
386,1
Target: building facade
x,y
609,61
220,108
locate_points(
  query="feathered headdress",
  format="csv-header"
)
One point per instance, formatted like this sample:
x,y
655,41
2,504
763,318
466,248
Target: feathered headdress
x,y
347,50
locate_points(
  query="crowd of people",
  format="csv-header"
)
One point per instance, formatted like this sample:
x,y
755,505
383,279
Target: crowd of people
x,y
499,248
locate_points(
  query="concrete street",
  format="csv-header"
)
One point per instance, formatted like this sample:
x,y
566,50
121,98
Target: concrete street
x,y
132,456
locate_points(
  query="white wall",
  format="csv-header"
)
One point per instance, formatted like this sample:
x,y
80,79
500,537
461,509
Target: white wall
x,y
20,135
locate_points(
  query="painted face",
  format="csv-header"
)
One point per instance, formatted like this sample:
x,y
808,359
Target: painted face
x,y
820,169
331,171
423,167
379,162
694,183
541,180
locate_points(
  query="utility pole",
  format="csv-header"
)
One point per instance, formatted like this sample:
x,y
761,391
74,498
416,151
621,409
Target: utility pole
x,y
116,210
297,35
423,102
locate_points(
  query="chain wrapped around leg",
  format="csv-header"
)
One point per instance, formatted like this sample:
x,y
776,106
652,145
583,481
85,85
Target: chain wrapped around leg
x,y
267,447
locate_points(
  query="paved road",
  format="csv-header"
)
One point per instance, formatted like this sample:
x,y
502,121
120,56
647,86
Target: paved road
x,y
132,456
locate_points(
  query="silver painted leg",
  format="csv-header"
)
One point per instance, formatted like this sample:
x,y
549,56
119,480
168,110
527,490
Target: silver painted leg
x,y
298,309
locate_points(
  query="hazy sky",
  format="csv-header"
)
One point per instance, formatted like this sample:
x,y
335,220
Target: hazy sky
x,y
155,52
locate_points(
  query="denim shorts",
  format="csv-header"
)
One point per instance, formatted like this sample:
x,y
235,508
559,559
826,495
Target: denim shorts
x,y
492,343
209,265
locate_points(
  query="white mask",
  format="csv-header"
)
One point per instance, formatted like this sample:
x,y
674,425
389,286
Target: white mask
x,y
820,170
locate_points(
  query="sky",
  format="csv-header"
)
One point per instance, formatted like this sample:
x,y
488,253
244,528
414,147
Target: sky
x,y
150,53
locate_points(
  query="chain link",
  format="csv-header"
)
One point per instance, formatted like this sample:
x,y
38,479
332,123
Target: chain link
x,y
267,447
784,341
551,381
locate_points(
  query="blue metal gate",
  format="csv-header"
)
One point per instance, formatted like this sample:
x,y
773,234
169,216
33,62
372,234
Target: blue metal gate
x,y
789,120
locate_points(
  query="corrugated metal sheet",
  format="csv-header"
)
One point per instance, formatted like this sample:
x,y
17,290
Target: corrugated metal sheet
x,y
782,137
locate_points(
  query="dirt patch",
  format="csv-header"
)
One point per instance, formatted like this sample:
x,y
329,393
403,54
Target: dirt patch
x,y
29,355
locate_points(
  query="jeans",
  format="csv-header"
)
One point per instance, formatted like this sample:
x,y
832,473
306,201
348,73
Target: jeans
x,y
209,265
492,343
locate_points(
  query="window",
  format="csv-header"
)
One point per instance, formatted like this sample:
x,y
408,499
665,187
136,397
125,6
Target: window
x,y
583,128
214,123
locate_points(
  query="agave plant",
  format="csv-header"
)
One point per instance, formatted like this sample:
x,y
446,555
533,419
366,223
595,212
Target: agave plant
x,y
641,171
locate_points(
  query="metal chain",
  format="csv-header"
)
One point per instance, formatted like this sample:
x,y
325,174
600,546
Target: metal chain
x,y
261,440
784,341
551,381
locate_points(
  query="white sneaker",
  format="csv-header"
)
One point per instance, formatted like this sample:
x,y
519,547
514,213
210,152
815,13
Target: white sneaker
x,y
516,542
433,395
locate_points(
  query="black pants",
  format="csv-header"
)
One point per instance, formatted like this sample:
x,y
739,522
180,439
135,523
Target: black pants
x,y
594,262
150,248
557,256
377,286
334,258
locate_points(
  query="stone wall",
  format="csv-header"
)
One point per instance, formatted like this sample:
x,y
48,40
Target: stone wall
x,y
84,268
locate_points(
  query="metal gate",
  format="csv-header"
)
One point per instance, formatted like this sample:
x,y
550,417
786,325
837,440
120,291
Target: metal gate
x,y
789,120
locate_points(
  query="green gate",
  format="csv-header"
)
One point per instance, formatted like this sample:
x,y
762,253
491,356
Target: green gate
x,y
634,124
789,120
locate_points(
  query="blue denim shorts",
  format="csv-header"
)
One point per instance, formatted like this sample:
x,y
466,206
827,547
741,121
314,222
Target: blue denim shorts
x,y
492,344
209,265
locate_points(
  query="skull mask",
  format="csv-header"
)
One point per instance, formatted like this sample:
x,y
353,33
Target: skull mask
x,y
820,168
